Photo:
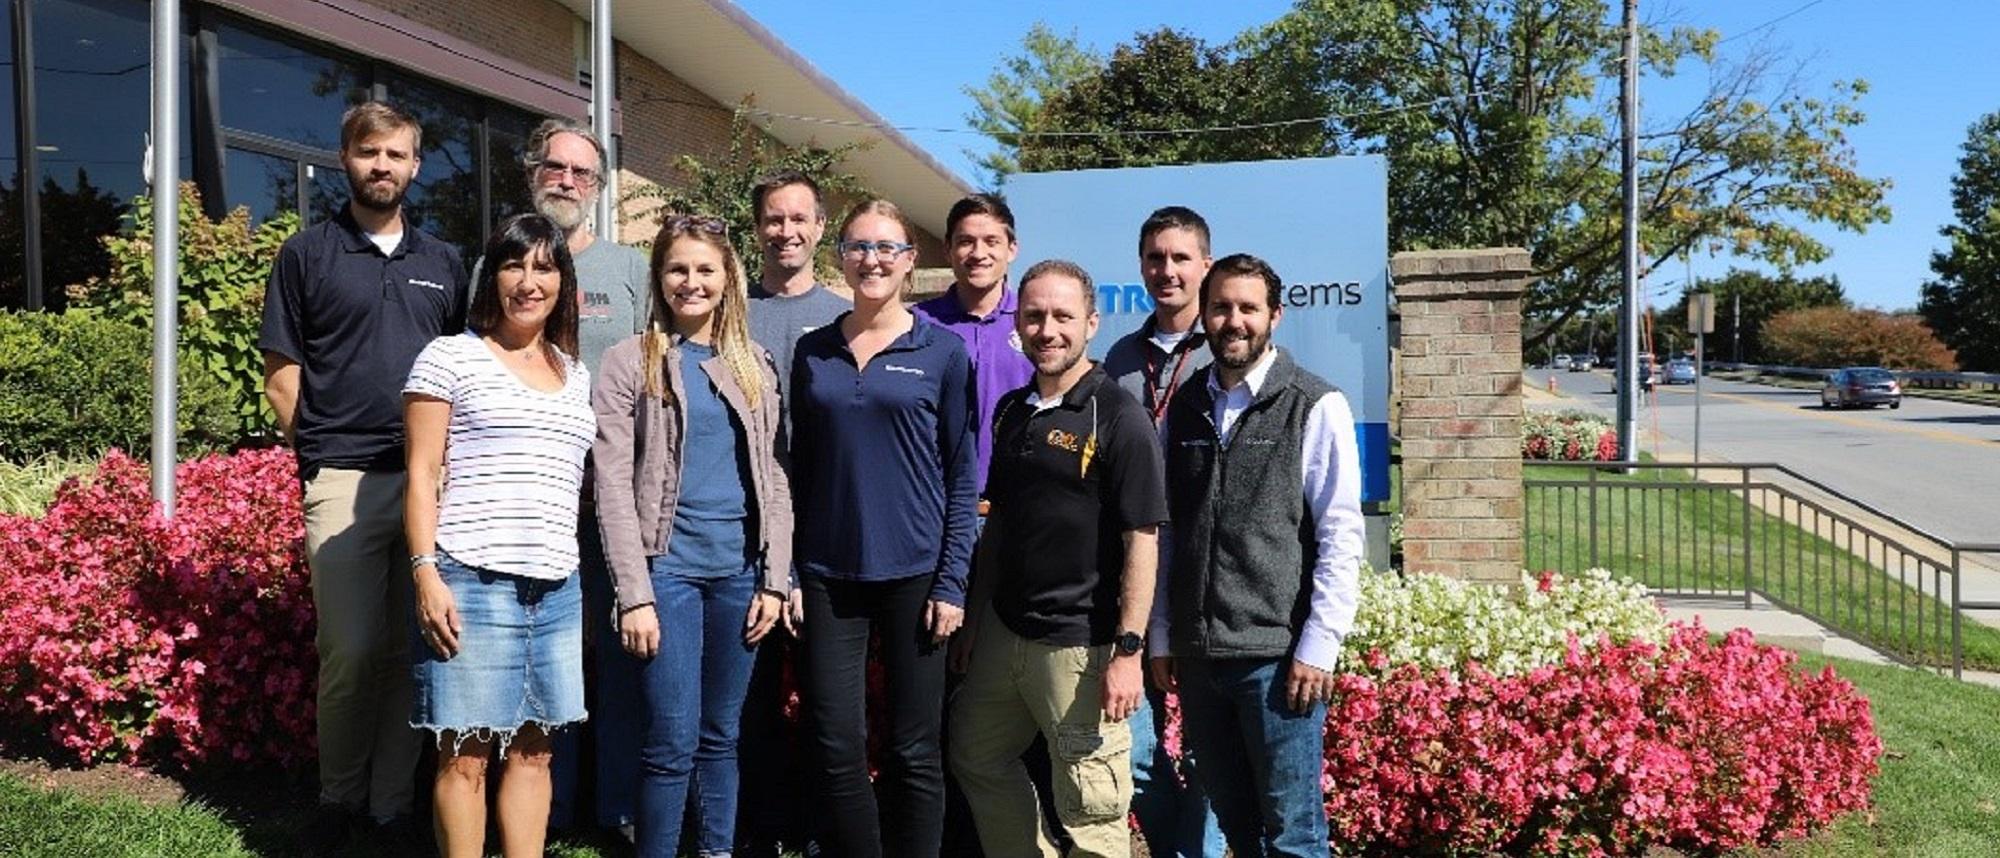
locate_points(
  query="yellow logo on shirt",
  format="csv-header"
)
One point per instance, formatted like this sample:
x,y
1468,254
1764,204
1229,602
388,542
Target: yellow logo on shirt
x,y
1065,440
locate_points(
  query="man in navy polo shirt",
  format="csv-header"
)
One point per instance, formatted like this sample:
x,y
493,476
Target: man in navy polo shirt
x,y
350,303
1062,591
979,308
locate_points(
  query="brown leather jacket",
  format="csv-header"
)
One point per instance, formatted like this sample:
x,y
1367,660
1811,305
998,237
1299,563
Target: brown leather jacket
x,y
637,461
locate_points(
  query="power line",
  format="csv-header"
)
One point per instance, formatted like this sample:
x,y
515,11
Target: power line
x,y
1771,23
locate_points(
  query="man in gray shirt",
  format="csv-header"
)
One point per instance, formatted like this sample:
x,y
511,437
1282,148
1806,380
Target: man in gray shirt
x,y
565,164
786,301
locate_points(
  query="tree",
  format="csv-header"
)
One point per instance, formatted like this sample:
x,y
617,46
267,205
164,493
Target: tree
x,y
1963,303
1008,108
720,186
1843,336
1495,116
1764,296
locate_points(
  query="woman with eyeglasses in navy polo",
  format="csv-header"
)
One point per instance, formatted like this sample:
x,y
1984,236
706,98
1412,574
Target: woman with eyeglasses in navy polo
x,y
697,519
885,464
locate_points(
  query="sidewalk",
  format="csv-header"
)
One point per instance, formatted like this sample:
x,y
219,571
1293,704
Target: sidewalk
x,y
1778,627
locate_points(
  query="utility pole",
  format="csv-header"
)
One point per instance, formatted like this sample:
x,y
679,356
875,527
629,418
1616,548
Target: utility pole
x,y
1736,326
1628,307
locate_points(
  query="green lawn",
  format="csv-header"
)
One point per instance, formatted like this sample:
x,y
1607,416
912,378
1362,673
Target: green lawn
x,y
1659,528
1938,793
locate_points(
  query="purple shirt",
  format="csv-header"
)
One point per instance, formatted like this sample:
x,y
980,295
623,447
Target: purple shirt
x,y
998,364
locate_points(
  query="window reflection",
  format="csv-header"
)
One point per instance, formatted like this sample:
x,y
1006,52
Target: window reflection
x,y
92,90
265,183
444,199
283,90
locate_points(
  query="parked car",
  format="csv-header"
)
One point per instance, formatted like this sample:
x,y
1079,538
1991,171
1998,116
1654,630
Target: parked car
x,y
1582,362
1560,362
1861,387
1679,372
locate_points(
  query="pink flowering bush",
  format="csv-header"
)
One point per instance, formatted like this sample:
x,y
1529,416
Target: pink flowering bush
x,y
1693,744
1569,436
128,637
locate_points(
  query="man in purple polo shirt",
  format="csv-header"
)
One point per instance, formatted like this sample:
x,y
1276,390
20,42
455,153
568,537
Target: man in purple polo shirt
x,y
979,308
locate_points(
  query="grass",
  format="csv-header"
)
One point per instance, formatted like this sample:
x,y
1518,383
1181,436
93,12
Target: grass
x,y
27,489
36,823
1940,777
1661,528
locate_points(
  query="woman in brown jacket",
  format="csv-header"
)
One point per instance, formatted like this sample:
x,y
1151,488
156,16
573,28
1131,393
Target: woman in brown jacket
x,y
697,521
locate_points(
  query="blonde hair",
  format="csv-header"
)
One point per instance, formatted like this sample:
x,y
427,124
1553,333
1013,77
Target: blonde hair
x,y
729,327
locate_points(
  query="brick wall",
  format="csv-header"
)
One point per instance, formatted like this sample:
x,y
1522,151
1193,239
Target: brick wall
x,y
1459,380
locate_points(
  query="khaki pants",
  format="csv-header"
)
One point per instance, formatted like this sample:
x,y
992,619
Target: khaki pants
x,y
1014,688
362,594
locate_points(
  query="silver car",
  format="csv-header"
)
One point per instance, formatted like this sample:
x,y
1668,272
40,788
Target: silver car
x,y
1679,372
1861,387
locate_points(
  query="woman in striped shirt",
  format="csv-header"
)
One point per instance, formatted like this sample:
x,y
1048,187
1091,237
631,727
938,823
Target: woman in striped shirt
x,y
500,415
697,520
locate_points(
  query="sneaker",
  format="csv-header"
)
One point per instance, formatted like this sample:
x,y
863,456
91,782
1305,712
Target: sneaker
x,y
327,833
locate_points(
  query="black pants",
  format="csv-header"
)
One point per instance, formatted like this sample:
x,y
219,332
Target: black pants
x,y
840,618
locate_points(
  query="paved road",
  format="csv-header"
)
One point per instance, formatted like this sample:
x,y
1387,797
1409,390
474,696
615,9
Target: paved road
x,y
1932,464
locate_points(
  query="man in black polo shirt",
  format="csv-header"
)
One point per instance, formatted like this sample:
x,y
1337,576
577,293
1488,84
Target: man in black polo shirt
x,y
1062,589
350,304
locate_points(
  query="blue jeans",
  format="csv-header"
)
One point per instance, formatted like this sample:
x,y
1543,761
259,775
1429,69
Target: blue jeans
x,y
614,705
693,699
1260,761
1174,817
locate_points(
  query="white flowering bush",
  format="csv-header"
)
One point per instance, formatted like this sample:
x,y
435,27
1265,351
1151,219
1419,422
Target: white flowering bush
x,y
1436,622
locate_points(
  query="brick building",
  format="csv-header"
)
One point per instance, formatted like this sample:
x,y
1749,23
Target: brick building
x,y
265,81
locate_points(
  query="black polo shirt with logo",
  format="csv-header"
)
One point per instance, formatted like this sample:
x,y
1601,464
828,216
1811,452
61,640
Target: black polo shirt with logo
x,y
354,319
1067,482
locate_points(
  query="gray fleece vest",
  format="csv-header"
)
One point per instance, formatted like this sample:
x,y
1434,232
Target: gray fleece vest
x,y
1243,540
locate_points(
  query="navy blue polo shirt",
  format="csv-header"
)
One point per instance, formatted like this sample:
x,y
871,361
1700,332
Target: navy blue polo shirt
x,y
884,464
354,319
1068,480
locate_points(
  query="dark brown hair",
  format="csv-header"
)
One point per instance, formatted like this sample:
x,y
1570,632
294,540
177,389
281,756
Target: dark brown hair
x,y
1244,265
518,237
1174,217
370,118
990,205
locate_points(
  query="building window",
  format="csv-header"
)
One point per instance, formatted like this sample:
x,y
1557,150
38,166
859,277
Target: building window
x,y
92,94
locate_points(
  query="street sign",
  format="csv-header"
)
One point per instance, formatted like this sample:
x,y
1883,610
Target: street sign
x,y
1701,312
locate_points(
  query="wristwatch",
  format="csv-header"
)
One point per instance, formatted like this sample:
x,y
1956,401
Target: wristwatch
x,y
1130,643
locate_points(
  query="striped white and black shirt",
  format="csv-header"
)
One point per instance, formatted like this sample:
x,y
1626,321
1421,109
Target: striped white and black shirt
x,y
513,459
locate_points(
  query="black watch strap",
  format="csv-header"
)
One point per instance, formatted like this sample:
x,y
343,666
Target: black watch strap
x,y
1130,643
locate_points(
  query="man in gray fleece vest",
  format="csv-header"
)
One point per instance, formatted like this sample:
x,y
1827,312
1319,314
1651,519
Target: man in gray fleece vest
x,y
1263,487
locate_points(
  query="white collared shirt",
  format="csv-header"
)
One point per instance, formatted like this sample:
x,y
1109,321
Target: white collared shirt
x,y
1331,466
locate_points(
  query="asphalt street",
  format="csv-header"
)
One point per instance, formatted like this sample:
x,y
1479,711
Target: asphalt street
x,y
1931,464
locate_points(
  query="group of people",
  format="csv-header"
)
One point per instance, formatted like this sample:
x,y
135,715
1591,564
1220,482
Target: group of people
x,y
717,476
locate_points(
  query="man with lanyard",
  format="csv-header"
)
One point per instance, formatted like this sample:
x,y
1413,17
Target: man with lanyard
x,y
565,164
786,302
1151,363
1062,592
351,301
979,308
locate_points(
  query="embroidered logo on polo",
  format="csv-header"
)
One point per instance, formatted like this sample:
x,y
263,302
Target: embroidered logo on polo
x,y
417,282
900,368
1064,440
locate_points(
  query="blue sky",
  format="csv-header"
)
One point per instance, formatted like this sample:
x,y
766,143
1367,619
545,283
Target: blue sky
x,y
1930,64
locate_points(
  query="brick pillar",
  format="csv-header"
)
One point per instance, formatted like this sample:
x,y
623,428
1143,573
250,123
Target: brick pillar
x,y
1459,380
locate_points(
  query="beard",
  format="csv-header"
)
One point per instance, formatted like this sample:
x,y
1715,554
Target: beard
x,y
365,194
1061,364
567,214
1258,345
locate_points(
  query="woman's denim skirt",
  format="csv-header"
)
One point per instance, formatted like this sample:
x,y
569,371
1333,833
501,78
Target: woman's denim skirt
x,y
519,661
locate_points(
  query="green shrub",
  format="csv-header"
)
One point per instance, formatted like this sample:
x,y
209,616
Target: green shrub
x,y
27,488
75,384
225,265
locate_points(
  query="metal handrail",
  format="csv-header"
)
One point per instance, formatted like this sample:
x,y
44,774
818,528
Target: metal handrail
x,y
1814,590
